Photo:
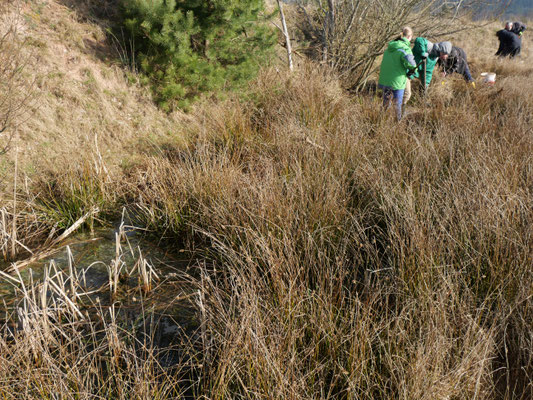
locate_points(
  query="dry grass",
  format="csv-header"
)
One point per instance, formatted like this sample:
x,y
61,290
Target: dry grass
x,y
86,100
71,142
346,256
356,257
59,340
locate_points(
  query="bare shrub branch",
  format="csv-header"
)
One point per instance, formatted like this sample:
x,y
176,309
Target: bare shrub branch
x,y
349,35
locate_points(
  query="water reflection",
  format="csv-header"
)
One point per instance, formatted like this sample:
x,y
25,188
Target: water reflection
x,y
166,314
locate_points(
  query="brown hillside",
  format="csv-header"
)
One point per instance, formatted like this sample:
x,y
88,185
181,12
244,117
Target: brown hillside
x,y
83,94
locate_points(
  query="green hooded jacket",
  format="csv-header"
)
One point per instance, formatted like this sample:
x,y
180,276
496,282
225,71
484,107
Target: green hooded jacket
x,y
419,49
397,61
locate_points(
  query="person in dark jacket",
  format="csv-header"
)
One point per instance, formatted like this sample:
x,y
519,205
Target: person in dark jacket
x,y
510,44
510,39
456,61
518,28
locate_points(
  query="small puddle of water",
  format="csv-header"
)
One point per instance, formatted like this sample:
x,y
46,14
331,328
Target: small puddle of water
x,y
166,312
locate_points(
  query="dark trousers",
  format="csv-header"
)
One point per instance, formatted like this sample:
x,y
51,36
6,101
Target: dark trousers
x,y
467,74
390,95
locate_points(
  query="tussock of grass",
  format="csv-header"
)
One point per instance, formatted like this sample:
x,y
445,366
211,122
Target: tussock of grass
x,y
80,128
357,257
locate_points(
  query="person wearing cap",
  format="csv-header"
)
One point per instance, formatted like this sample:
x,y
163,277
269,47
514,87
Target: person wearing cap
x,y
423,49
455,61
397,63
510,39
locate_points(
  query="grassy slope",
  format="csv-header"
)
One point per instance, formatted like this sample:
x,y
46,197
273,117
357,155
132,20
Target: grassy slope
x,y
85,122
83,93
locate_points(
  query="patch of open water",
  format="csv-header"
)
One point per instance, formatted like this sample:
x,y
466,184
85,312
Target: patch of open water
x,y
166,314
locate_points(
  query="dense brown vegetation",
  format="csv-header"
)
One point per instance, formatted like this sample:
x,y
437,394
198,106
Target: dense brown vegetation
x,y
342,255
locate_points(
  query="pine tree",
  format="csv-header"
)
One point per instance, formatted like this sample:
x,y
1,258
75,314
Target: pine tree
x,y
187,47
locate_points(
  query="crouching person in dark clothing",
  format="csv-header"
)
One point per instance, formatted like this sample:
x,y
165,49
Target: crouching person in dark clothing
x,y
510,39
456,62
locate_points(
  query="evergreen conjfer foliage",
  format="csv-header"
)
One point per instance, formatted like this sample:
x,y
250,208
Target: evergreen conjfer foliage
x,y
186,47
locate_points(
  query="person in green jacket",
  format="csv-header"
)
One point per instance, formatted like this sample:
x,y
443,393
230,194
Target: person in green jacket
x,y
423,49
398,62
421,52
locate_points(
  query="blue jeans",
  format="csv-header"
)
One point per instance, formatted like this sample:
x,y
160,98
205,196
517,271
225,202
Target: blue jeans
x,y
467,74
389,94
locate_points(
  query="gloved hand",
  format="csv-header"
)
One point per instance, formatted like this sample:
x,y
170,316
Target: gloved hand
x,y
410,73
473,84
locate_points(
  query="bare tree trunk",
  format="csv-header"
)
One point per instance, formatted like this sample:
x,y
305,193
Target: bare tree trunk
x,y
331,15
286,34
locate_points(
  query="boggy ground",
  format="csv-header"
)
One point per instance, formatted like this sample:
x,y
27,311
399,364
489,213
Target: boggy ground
x,y
344,255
